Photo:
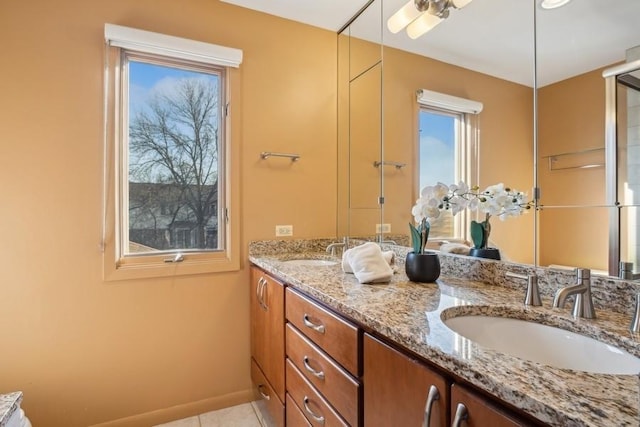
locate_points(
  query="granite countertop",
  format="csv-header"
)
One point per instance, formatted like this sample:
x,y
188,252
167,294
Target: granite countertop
x,y
9,403
411,314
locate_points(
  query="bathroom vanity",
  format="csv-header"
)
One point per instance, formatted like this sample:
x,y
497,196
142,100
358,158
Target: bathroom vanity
x,y
379,355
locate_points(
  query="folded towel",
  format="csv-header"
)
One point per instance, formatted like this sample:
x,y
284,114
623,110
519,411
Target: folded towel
x,y
367,263
389,257
455,248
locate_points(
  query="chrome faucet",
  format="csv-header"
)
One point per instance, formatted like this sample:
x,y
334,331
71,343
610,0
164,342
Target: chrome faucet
x,y
331,249
532,297
583,305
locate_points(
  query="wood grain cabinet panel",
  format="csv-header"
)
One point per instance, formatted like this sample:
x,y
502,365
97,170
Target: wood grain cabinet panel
x,y
295,417
469,409
315,408
269,405
331,380
267,328
334,335
397,388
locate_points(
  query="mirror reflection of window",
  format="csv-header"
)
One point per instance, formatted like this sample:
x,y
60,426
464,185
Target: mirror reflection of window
x,y
444,148
439,140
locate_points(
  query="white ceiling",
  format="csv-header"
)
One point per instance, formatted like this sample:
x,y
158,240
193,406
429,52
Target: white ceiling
x,y
494,37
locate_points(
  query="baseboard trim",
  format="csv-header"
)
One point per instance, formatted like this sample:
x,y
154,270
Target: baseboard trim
x,y
181,411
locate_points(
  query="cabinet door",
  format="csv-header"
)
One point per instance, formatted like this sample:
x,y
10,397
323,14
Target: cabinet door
x,y
469,409
271,409
267,328
397,389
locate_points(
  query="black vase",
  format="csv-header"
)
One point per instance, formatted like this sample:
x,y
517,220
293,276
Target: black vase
x,y
424,267
490,253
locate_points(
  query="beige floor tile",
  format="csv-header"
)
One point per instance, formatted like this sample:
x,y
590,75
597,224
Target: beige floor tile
x,y
186,422
258,414
236,416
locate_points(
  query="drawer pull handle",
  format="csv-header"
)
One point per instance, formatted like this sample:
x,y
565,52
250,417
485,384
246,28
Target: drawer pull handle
x,y
432,397
263,394
317,418
259,291
461,414
317,374
309,324
262,285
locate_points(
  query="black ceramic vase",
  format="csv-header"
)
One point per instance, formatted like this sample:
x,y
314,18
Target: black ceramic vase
x,y
490,253
424,267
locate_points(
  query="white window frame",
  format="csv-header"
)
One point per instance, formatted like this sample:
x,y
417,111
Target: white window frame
x,y
467,147
167,50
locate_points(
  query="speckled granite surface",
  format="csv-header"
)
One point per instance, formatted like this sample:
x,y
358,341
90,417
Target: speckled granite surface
x,y
9,403
411,314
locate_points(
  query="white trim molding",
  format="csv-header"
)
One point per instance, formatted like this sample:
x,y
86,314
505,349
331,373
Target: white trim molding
x,y
430,98
176,47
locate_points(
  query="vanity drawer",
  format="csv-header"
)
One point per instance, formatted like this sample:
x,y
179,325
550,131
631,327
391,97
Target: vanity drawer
x,y
270,406
334,335
315,409
335,384
295,417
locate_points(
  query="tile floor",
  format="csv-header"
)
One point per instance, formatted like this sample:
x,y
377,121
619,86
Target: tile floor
x,y
244,415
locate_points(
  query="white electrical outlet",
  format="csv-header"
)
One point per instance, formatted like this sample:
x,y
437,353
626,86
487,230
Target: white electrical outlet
x,y
383,228
284,230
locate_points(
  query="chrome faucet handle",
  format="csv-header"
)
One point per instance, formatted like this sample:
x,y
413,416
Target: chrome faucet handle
x,y
635,319
532,297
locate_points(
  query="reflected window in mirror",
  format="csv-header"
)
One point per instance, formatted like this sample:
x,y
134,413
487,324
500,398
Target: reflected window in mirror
x,y
447,155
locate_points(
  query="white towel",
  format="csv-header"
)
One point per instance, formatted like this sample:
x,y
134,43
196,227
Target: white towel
x,y
389,257
367,263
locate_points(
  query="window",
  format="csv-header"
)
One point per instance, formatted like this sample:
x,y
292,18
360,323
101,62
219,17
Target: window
x,y
448,138
170,180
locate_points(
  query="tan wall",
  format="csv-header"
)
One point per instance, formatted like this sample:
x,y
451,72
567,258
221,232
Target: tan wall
x,y
84,351
506,141
571,119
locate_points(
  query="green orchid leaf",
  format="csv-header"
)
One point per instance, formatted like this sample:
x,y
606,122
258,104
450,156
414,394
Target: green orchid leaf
x,y
426,227
416,238
477,234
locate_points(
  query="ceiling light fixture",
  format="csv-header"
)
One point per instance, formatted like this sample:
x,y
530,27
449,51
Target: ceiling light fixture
x,y
552,4
420,16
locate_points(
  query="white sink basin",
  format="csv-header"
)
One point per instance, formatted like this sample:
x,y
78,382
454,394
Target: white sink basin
x,y
310,262
544,344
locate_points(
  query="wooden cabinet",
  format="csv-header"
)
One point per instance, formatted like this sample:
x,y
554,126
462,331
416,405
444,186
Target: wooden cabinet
x,y
401,391
267,340
295,417
336,336
271,408
328,373
314,406
329,378
469,409
323,360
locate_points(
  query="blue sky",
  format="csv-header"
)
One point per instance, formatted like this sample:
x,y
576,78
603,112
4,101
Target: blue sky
x,y
148,75
437,150
144,78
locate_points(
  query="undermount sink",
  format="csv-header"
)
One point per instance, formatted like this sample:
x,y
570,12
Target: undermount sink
x,y
544,344
310,262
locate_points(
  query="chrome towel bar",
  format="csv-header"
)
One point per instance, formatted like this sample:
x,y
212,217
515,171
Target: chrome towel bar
x,y
293,157
397,165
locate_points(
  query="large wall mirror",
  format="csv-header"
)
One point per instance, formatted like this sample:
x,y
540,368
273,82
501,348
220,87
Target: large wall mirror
x,y
587,183
487,51
383,154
